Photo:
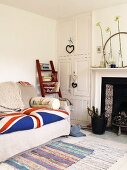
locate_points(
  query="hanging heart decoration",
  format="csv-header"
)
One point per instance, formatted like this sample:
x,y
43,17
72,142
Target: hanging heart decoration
x,y
70,48
74,85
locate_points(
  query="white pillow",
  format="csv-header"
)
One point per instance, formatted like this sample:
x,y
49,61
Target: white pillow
x,y
40,102
10,97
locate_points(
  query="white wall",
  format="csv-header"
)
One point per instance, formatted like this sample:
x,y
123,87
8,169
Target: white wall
x,y
106,16
24,37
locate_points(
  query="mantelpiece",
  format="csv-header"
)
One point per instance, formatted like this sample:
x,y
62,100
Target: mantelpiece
x,y
96,81
108,69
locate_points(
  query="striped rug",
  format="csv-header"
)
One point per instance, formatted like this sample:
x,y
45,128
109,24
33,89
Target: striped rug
x,y
107,154
57,155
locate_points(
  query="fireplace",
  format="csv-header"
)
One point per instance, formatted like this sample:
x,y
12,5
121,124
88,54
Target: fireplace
x,y
114,100
115,78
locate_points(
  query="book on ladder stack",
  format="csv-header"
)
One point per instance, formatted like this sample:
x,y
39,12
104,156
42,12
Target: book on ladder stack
x,y
47,77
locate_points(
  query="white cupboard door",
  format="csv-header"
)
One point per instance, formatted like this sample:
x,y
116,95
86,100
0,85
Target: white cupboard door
x,y
81,69
83,34
64,76
79,114
65,32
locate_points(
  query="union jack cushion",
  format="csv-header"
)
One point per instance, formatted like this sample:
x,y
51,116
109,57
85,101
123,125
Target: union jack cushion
x,y
30,118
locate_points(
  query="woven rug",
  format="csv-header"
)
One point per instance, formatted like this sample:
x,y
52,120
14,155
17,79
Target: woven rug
x,y
57,155
107,154
72,154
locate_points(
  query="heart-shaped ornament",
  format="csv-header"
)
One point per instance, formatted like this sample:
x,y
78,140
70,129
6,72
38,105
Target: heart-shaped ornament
x,y
70,48
74,85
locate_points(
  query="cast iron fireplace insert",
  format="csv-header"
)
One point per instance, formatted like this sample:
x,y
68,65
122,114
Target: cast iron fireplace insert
x,y
114,97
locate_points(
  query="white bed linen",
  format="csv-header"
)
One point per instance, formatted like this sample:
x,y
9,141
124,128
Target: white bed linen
x,y
16,142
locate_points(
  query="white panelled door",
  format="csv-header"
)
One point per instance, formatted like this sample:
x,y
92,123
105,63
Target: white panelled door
x,y
83,36
81,67
79,96
65,32
77,63
79,110
64,77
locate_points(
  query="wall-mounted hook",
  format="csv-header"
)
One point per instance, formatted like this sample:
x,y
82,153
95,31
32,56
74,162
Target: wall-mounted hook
x,y
70,41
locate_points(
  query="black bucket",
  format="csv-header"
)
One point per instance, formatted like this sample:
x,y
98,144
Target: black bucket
x,y
98,125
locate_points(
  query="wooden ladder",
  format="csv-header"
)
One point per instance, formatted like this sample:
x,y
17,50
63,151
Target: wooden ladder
x,y
42,82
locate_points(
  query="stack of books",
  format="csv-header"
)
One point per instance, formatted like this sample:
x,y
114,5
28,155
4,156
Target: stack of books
x,y
49,87
45,66
47,78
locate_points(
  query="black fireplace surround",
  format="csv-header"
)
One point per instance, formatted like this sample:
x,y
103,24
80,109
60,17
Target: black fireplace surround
x,y
119,96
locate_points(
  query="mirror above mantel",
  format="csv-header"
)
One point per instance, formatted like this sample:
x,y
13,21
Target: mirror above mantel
x,y
112,47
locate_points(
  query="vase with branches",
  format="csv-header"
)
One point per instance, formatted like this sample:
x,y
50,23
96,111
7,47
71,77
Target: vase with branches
x,y
110,59
120,64
98,24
